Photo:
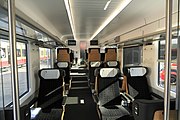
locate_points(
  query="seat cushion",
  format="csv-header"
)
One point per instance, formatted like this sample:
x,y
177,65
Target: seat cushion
x,y
113,112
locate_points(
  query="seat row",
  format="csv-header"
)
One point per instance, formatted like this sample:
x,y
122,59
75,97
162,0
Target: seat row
x,y
137,102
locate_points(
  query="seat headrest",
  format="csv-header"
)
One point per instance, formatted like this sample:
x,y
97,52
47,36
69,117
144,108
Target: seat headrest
x,y
63,50
112,63
135,71
94,50
95,64
139,71
62,64
51,73
109,72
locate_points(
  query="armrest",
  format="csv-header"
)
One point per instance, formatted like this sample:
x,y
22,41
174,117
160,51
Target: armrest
x,y
129,97
156,96
125,97
95,98
64,100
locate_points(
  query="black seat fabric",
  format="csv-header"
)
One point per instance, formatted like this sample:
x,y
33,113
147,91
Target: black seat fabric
x,y
63,62
66,67
108,94
144,106
51,88
137,82
112,64
94,62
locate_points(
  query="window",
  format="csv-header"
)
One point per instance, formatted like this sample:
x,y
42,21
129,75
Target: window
x,y
161,60
44,54
5,72
132,55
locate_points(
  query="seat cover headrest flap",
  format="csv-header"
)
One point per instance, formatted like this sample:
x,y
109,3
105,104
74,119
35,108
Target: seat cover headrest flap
x,y
112,63
137,71
50,73
62,64
95,64
108,72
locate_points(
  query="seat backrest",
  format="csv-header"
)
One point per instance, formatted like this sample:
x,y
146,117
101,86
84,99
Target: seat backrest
x,y
137,82
93,62
66,67
110,54
63,55
112,64
107,85
94,54
51,88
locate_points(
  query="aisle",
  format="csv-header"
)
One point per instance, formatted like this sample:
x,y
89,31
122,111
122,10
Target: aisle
x,y
80,104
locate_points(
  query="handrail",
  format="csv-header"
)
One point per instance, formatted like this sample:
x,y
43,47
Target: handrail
x,y
168,59
13,54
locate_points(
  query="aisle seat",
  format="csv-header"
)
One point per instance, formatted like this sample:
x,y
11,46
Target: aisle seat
x,y
109,98
51,88
94,61
64,62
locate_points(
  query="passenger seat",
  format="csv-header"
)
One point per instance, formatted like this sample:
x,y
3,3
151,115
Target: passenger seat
x,y
109,98
51,89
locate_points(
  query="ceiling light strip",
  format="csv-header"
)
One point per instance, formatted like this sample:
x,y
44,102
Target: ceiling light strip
x,y
107,4
70,16
111,17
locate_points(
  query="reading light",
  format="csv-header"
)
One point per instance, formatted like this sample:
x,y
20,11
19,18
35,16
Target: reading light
x,y
70,16
122,5
107,4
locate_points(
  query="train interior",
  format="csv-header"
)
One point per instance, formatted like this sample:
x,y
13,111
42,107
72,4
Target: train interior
x,y
89,60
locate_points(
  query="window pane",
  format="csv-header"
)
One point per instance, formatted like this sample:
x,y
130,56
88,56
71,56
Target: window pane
x,y
44,54
173,51
22,68
173,64
173,75
6,72
132,55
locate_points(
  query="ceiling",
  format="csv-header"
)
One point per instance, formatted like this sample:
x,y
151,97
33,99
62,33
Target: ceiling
x,y
89,15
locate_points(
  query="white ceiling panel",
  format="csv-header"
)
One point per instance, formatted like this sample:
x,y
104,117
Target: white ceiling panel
x,y
89,15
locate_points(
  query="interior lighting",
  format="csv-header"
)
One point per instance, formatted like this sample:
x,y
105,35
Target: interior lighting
x,y
120,7
107,4
70,16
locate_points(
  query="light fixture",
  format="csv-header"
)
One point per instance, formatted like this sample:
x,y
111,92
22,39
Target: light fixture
x,y
70,16
122,5
107,4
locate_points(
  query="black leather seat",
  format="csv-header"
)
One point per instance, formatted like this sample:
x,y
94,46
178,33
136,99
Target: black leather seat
x,y
112,64
145,103
63,62
94,62
109,98
51,88
66,67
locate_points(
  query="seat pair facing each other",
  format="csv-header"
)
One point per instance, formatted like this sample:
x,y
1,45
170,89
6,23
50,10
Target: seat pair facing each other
x,y
95,61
